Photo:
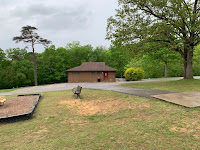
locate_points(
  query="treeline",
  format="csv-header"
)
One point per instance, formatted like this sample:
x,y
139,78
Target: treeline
x,y
16,65
157,60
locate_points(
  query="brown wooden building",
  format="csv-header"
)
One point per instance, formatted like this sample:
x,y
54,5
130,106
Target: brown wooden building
x,y
91,72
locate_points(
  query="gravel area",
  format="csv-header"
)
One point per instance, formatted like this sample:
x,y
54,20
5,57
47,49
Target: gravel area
x,y
18,105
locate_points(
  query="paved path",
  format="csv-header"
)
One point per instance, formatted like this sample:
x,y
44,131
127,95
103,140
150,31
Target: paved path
x,y
113,86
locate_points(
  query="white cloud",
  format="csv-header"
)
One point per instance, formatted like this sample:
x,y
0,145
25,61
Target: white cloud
x,y
61,21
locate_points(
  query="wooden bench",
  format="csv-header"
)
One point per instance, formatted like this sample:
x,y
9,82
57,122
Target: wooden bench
x,y
77,91
2,101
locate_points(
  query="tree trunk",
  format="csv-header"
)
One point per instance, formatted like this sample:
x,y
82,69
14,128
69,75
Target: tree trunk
x,y
166,68
185,66
35,66
188,65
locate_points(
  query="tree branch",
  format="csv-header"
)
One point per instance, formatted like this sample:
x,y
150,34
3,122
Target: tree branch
x,y
195,6
179,51
186,25
149,10
159,40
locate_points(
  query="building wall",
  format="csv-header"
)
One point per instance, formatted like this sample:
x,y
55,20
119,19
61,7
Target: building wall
x,y
89,77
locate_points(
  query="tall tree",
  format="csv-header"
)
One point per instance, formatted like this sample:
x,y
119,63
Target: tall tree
x,y
97,54
118,59
16,53
28,35
172,22
78,54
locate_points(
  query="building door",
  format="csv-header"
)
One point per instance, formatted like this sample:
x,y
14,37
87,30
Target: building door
x,y
106,76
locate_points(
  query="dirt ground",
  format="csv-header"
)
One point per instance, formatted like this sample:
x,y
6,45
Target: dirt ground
x,y
101,106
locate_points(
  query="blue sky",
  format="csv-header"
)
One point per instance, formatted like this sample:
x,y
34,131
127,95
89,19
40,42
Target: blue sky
x,y
61,21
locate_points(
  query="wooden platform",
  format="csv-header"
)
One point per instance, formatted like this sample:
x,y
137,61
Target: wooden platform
x,y
187,99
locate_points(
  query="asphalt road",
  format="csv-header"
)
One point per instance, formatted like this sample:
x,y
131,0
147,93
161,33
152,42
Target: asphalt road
x,y
112,86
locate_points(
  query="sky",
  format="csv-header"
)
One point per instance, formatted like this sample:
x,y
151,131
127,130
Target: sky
x,y
61,21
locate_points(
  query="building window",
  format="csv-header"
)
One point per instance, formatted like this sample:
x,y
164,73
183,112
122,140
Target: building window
x,y
76,72
95,72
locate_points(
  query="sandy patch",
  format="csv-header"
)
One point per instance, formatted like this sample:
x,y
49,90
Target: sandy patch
x,y
102,106
181,129
42,130
187,126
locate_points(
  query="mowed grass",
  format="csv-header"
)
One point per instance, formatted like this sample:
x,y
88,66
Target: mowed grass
x,y
143,124
8,90
179,85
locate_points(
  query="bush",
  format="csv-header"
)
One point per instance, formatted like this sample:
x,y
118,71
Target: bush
x,y
128,74
134,74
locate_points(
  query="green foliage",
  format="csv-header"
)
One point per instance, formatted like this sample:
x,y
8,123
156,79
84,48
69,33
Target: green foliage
x,y
16,69
196,61
118,58
137,74
172,23
16,53
156,60
29,35
134,74
16,65
98,54
128,74
2,55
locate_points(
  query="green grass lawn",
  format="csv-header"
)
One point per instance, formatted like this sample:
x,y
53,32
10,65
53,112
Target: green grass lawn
x,y
103,120
179,85
8,90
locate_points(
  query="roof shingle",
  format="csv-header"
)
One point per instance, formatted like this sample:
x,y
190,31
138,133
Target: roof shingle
x,y
92,66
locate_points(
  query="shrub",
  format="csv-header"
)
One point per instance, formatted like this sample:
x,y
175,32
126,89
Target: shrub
x,y
138,74
128,74
134,74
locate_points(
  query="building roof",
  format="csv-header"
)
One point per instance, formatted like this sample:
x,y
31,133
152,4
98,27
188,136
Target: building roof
x,y
92,66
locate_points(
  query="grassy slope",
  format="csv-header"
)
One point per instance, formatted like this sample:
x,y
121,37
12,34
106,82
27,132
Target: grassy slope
x,y
179,85
54,126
